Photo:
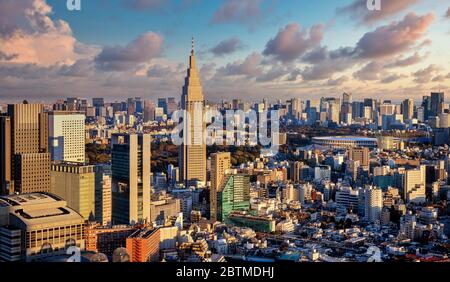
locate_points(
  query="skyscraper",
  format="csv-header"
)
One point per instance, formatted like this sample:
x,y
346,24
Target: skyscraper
x,y
373,203
29,160
192,155
130,165
234,195
162,103
75,183
149,110
66,136
295,108
408,109
6,173
220,163
414,183
426,105
361,155
437,103
103,194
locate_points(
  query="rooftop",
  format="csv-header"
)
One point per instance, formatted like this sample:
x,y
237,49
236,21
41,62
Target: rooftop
x,y
28,199
346,138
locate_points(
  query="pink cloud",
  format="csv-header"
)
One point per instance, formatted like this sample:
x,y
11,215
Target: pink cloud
x,y
291,42
358,10
29,33
395,37
140,50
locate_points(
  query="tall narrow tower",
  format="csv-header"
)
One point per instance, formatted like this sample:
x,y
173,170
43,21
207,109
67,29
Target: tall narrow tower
x,y
192,155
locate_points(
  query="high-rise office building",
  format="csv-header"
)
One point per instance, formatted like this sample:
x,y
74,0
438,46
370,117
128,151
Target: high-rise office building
x,y
6,173
192,155
162,103
373,203
220,163
414,182
295,172
98,102
26,162
103,194
408,109
130,167
347,199
361,155
437,103
234,195
75,183
99,105
149,110
426,105
347,98
66,136
295,108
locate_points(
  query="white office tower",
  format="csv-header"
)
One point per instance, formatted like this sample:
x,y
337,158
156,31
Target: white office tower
x,y
347,199
373,204
414,185
66,134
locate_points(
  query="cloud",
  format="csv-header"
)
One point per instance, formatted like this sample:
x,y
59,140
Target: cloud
x,y
439,78
358,10
28,32
338,81
383,43
371,71
207,71
250,67
425,75
291,42
274,73
28,16
331,62
7,57
392,77
227,46
158,71
122,58
248,12
317,55
395,37
81,68
404,62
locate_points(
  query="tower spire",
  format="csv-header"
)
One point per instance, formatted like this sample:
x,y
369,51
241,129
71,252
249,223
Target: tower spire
x,y
192,64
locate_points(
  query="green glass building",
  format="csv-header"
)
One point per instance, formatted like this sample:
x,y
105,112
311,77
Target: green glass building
x,y
234,195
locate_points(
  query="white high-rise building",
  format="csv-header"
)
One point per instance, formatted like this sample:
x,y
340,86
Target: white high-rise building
x,y
373,204
414,185
66,136
347,199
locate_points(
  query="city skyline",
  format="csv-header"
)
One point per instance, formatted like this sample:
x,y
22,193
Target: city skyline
x,y
294,152
252,49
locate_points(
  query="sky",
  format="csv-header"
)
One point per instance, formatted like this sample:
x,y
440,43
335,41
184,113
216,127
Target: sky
x,y
247,49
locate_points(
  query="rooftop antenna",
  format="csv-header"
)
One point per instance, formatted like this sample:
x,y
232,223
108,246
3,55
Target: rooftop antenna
x,y
193,45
